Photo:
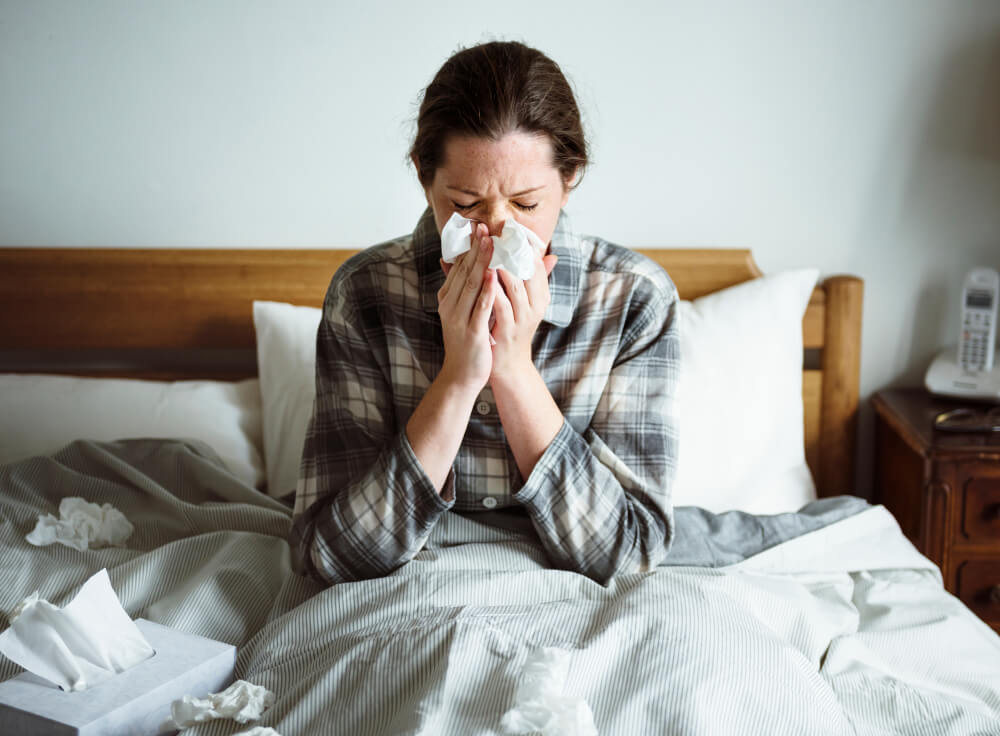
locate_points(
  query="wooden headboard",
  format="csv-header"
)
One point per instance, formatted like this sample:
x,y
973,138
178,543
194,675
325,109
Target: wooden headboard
x,y
149,303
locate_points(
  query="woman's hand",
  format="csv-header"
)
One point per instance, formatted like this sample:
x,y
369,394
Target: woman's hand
x,y
465,302
519,308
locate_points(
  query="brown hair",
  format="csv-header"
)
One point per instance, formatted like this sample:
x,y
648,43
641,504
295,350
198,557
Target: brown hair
x,y
496,88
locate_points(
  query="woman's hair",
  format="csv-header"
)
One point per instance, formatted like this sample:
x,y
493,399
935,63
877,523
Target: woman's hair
x,y
493,89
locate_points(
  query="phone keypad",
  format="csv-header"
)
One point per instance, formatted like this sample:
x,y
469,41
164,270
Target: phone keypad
x,y
976,330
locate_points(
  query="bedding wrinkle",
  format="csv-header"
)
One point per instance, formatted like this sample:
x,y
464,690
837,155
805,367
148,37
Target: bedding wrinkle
x,y
241,595
904,644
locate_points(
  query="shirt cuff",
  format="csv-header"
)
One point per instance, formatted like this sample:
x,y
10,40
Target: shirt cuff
x,y
414,473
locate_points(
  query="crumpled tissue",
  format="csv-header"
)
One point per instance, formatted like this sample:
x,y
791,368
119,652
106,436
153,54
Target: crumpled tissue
x,y
540,705
82,525
242,701
75,647
258,731
514,249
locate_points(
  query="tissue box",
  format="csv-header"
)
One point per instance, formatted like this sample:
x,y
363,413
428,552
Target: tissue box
x,y
136,701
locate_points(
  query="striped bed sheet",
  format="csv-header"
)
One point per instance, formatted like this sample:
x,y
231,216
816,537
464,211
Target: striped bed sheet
x,y
843,629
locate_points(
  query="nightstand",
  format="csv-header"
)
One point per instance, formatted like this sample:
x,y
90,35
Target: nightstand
x,y
944,489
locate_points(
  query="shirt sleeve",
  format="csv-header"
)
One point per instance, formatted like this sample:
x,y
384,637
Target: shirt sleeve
x,y
363,505
600,499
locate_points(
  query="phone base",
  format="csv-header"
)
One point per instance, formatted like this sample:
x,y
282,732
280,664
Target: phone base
x,y
946,378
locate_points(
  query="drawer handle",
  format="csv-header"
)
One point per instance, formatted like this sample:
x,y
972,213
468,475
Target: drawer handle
x,y
995,594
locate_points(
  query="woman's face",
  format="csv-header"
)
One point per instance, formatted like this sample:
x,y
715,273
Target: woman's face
x,y
489,181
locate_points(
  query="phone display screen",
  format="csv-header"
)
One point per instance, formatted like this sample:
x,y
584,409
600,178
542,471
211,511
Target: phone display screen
x,y
978,300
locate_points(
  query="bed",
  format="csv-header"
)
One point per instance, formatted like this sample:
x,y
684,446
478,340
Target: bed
x,y
819,619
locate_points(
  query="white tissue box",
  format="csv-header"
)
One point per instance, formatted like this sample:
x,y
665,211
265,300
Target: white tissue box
x,y
136,701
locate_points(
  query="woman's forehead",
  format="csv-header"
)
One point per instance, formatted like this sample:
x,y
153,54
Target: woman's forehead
x,y
518,161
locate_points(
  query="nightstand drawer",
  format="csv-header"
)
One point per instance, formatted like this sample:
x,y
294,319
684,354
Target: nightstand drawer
x,y
981,516
979,588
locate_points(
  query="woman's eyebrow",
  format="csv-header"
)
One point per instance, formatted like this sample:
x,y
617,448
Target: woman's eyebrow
x,y
477,194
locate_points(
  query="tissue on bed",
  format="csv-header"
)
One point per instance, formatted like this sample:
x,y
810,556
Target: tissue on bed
x,y
515,249
81,525
258,731
242,701
540,705
75,647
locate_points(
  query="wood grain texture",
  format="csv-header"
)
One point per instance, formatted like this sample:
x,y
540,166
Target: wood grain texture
x,y
60,300
814,321
71,298
699,271
841,384
812,403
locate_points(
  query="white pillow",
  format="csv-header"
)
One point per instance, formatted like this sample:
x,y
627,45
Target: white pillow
x,y
39,414
740,397
286,366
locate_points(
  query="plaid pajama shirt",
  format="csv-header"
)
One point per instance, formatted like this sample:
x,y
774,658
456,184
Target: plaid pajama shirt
x,y
607,348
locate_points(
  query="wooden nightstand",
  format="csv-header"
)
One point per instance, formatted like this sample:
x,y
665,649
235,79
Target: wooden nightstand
x,y
944,489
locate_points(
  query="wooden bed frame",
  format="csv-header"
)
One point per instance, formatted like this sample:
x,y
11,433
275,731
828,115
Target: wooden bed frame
x,y
73,305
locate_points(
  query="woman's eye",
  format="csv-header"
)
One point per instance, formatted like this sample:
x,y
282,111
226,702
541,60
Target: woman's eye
x,y
526,207
463,207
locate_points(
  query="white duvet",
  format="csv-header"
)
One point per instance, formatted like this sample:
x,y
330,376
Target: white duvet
x,y
845,630
899,653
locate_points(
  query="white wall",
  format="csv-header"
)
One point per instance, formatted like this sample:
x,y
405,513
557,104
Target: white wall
x,y
856,136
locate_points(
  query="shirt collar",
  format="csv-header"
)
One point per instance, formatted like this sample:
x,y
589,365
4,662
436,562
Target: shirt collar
x,y
564,281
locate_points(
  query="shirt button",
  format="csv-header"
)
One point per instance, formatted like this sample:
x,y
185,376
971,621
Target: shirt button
x,y
490,502
483,408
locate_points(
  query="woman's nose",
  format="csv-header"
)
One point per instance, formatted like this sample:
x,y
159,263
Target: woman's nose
x,y
494,220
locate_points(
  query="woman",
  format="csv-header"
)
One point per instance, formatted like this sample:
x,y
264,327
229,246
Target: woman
x,y
560,407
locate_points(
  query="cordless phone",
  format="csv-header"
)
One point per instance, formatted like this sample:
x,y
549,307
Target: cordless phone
x,y
977,338
969,372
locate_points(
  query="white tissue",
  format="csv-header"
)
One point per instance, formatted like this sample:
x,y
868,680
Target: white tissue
x,y
242,701
81,525
75,647
540,705
514,249
258,731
